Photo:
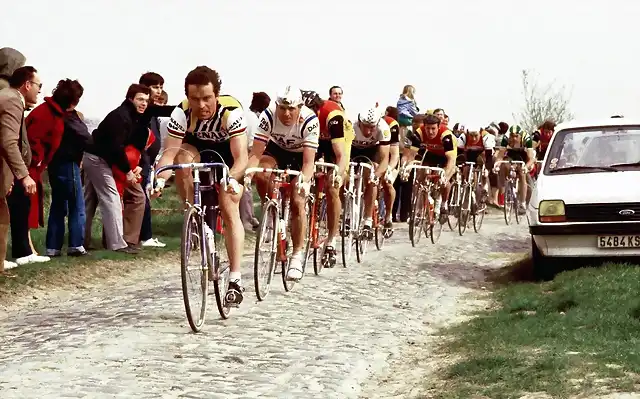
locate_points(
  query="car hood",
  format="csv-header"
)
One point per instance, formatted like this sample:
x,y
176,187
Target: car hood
x,y
585,188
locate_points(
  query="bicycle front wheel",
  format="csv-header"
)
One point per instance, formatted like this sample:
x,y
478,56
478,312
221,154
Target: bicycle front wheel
x,y
264,261
195,278
322,234
478,209
465,205
416,220
436,223
345,230
508,203
221,268
455,206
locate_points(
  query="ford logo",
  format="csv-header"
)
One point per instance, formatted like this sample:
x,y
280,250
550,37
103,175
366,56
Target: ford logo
x,y
627,212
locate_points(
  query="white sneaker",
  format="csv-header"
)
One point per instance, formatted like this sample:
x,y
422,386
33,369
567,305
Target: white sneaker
x,y
9,265
295,267
33,258
153,242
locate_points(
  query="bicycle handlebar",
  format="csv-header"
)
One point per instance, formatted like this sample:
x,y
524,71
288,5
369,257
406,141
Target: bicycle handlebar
x,y
327,165
290,172
195,166
440,171
510,163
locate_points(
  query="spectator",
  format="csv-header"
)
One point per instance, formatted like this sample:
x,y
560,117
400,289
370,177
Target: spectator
x,y
119,128
66,185
155,82
15,182
259,103
10,60
45,127
407,109
335,94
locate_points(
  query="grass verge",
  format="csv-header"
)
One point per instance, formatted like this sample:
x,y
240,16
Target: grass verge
x,y
67,272
576,335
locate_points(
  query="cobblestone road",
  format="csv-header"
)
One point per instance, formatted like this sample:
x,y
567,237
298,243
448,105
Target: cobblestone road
x,y
326,339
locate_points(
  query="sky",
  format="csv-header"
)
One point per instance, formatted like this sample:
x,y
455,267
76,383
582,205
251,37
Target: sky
x,y
465,56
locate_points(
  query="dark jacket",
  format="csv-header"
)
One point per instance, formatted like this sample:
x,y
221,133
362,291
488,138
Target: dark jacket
x,y
151,115
75,139
116,131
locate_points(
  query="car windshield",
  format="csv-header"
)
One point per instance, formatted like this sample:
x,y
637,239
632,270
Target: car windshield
x,y
594,150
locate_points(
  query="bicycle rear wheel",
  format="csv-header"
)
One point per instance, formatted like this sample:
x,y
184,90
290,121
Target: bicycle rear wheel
x,y
345,230
221,267
288,250
264,260
361,241
194,278
323,234
416,219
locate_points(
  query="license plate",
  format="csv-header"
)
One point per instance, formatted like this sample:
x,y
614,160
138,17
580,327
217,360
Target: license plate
x,y
619,241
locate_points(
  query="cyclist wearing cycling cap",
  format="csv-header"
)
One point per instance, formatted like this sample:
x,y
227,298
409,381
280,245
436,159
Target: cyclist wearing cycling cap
x,y
287,138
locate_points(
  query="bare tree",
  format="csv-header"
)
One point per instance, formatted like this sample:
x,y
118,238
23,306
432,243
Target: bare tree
x,y
541,103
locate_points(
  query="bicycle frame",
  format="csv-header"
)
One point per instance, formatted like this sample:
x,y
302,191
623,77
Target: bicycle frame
x,y
319,177
428,184
197,203
279,195
356,192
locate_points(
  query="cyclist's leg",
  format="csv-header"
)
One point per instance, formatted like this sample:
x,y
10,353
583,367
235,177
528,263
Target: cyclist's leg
x,y
297,218
334,205
184,179
389,199
370,190
268,160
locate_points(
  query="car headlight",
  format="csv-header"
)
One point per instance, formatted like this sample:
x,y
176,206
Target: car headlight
x,y
551,211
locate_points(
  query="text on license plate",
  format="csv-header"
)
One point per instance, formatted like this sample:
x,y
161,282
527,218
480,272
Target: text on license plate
x,y
619,241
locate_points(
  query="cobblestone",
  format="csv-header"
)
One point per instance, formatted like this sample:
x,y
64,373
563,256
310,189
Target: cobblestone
x,y
329,338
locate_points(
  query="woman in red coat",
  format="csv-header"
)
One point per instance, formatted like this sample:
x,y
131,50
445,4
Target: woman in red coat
x,y
45,126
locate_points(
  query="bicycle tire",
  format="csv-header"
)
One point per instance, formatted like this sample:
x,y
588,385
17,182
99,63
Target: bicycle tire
x,y
195,321
308,206
454,210
378,213
345,231
321,220
416,220
221,267
508,203
361,243
262,288
516,205
479,210
463,219
435,225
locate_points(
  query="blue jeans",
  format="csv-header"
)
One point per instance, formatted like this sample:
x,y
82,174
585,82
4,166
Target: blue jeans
x,y
67,199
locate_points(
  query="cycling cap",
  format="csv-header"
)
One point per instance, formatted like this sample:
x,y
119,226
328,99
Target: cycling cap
x,y
516,129
370,116
291,96
310,98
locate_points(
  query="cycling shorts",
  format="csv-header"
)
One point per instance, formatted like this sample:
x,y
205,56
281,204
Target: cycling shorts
x,y
284,159
207,148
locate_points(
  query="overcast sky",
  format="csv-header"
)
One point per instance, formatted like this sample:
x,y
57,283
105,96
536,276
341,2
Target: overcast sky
x,y
463,55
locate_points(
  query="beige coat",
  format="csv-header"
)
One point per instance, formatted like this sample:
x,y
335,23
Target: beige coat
x,y
13,135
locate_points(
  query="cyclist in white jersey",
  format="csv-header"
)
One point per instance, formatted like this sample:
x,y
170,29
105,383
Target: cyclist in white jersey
x,y
287,137
372,140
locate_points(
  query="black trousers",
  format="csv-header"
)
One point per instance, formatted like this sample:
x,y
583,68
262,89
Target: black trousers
x,y
403,198
19,207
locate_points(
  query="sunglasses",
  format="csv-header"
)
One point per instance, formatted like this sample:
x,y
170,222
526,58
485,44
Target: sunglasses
x,y
37,84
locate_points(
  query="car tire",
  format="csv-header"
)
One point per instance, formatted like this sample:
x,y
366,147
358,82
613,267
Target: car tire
x,y
543,266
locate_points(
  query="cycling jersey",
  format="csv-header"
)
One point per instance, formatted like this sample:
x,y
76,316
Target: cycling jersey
x,y
381,136
394,128
543,140
227,122
526,142
332,121
442,143
295,138
484,141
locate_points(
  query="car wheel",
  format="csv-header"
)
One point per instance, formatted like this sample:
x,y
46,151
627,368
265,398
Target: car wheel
x,y
543,266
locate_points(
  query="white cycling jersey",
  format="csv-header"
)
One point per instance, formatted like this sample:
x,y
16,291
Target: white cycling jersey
x,y
488,142
382,135
302,134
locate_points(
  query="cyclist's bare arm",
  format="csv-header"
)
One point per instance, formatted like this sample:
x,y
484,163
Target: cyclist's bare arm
x,y
383,156
531,158
256,153
408,155
308,163
450,167
171,148
500,155
240,157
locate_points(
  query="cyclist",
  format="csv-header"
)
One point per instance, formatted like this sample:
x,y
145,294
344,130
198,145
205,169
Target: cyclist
x,y
208,121
478,146
391,115
436,148
542,137
372,140
516,146
287,137
334,146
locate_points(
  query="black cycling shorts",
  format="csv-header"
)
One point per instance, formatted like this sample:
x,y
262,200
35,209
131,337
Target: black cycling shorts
x,y
206,149
284,159
325,149
369,152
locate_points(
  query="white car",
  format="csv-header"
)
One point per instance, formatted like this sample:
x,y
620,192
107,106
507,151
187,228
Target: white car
x,y
586,201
